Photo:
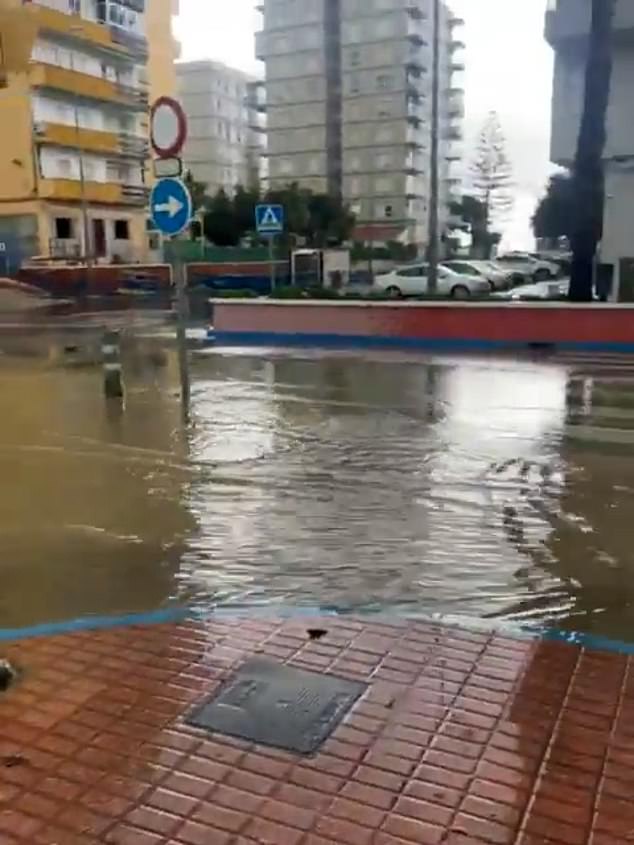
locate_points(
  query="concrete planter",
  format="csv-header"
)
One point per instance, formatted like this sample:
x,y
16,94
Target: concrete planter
x,y
446,325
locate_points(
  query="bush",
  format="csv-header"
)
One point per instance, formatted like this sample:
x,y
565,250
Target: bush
x,y
294,292
227,293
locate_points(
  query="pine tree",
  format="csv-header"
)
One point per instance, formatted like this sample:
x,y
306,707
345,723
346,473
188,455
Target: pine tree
x,y
491,172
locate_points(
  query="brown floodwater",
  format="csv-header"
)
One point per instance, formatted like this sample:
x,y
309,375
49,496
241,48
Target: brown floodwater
x,y
493,488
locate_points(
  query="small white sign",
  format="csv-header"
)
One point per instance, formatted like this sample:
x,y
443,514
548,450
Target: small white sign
x,y
167,168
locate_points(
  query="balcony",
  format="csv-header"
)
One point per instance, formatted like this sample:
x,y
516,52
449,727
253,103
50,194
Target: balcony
x,y
455,106
47,19
256,97
413,169
456,66
416,31
414,64
61,135
88,87
133,42
453,154
261,44
69,190
135,194
133,146
68,248
568,20
415,11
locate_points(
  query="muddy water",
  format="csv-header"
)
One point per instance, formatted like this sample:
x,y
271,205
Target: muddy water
x,y
493,488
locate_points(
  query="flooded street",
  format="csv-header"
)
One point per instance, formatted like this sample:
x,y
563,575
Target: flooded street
x,y
486,487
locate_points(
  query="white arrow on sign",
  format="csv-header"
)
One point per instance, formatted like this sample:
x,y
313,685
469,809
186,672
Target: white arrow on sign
x,y
171,207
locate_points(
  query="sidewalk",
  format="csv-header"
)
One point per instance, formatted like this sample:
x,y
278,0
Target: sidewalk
x,y
460,738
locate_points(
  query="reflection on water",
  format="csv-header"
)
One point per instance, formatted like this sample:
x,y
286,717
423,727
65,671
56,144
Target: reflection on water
x,y
490,487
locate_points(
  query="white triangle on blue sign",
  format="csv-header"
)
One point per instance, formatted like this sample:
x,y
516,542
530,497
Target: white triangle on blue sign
x,y
269,218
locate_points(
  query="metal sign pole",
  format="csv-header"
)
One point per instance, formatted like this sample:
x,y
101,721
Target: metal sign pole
x,y
172,210
182,309
272,261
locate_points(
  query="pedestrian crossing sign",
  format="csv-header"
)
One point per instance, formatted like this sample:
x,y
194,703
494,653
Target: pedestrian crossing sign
x,y
269,219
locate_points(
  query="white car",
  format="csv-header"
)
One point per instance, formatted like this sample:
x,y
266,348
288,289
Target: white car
x,y
525,267
497,278
540,290
413,280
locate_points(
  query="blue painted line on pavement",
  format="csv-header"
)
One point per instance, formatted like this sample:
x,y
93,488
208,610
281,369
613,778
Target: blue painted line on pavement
x,y
94,623
593,642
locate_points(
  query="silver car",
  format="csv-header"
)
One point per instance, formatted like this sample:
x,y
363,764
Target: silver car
x,y
413,280
497,278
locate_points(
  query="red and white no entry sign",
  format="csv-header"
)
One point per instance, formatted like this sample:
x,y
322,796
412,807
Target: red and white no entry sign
x,y
168,127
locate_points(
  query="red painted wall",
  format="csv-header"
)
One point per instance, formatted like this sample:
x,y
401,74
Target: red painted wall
x,y
503,322
102,279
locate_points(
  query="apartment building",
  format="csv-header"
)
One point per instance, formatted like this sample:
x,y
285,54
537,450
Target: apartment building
x,y
226,131
567,29
75,90
348,97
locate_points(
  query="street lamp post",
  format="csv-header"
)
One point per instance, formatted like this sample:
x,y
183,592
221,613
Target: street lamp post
x,y
82,173
434,250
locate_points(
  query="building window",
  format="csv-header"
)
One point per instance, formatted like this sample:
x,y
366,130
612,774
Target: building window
x,y
122,230
64,228
64,167
90,171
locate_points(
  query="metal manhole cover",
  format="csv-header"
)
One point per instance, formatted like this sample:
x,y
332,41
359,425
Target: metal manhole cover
x,y
277,705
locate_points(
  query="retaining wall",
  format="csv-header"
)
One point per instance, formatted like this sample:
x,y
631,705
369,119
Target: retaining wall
x,y
431,324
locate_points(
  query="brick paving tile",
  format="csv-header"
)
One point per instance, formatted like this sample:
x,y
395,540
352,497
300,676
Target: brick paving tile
x,y
460,738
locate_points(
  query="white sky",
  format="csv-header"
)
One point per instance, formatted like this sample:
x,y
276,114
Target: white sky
x,y
509,70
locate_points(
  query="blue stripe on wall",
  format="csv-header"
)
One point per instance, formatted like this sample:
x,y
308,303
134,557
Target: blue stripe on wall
x,y
336,341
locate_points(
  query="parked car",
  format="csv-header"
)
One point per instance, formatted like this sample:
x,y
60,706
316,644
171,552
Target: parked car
x,y
524,267
413,281
540,290
497,278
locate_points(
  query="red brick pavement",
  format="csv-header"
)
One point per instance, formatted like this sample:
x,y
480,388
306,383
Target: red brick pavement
x,y
462,738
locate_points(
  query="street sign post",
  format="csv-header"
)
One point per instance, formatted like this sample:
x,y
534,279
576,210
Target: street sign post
x,y
171,206
171,209
269,221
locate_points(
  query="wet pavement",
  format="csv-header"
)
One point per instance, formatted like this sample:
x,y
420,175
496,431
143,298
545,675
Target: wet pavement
x,y
458,738
493,488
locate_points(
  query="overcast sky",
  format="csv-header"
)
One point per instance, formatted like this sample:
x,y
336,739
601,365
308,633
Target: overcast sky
x,y
509,70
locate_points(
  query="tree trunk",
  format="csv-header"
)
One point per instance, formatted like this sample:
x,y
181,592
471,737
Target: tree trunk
x,y
588,176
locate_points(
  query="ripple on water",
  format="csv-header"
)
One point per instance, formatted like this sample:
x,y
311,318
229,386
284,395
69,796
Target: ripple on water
x,y
490,488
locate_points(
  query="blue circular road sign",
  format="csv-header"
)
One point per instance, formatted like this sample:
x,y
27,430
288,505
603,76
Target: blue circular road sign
x,y
171,206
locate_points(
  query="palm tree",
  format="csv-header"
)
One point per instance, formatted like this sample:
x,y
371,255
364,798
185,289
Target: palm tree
x,y
588,177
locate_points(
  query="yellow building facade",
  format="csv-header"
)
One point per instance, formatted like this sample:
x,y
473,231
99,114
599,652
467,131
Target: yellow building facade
x,y
76,81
